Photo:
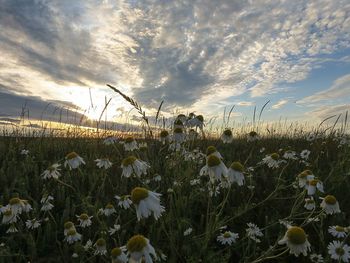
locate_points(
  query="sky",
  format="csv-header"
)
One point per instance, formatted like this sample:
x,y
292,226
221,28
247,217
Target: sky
x,y
197,56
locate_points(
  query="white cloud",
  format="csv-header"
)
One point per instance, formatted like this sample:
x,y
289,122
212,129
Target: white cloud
x,y
340,89
245,103
279,104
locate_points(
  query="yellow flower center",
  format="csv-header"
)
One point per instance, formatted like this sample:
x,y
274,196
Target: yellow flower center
x,y
210,150
213,161
138,194
275,156
15,201
164,133
227,235
129,160
200,118
129,139
340,251
253,134
109,206
303,175
116,252
178,130
136,243
228,132
237,166
330,199
101,242
8,212
296,235
71,155
68,225
313,182
340,229
84,216
71,232
308,172
178,122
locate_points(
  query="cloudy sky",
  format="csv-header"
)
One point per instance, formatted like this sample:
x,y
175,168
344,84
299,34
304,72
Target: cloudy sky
x,y
199,56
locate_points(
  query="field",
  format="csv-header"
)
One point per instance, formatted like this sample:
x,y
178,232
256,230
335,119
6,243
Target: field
x,y
78,212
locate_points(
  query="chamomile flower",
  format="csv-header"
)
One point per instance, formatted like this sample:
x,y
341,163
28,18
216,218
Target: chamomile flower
x,y
338,231
254,232
296,240
16,205
118,255
330,205
164,136
305,154
316,258
253,136
227,136
103,163
304,177
290,155
52,172
24,152
339,251
84,220
146,203
100,246
9,217
123,201
188,231
110,140
227,238
114,229
130,144
215,168
46,205
192,134
73,160
235,173
72,236
140,248
211,150
12,229
33,223
178,124
312,185
178,136
88,245
132,165
272,160
108,210
68,226
309,203
196,122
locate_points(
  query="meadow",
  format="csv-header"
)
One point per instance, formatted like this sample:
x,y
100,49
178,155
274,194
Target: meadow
x,y
176,195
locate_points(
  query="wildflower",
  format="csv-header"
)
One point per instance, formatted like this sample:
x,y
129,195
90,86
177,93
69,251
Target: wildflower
x,y
290,155
130,144
110,140
192,134
338,231
133,165
87,245
139,247
305,154
211,150
312,185
164,136
109,210
52,172
195,182
309,203
196,122
84,220
235,173
316,258
46,205
157,178
339,251
178,124
16,205
254,232
103,163
12,229
227,237
182,118
296,241
188,231
100,247
146,202
253,136
118,256
123,201
272,160
113,229
25,152
330,205
72,236
215,168
178,135
8,216
73,160
226,136
311,137
68,226
33,223
304,177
